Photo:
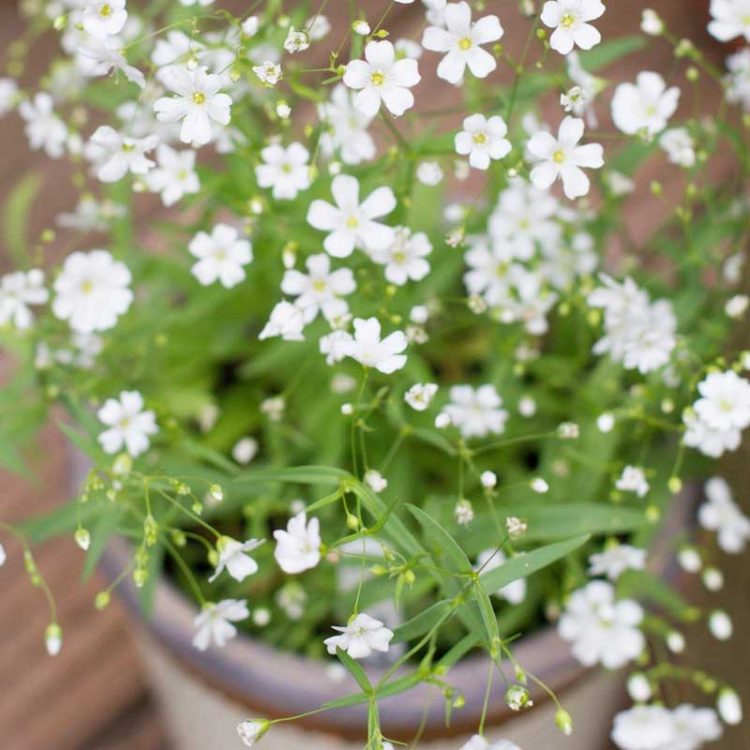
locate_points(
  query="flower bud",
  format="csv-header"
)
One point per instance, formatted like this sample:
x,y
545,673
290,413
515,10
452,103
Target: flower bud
x,y
517,697
488,479
564,722
250,731
102,599
639,688
720,625
729,706
82,538
53,639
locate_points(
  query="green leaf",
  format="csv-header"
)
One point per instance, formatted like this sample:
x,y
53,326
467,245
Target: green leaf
x,y
441,540
524,565
424,622
297,474
355,670
489,618
16,214
63,520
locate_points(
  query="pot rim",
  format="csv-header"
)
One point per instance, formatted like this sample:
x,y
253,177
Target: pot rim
x,y
274,684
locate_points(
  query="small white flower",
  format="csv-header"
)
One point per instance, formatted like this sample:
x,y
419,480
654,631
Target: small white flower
x,y
527,407
675,641
633,479
477,742
730,19
651,23
615,560
234,559
214,623
689,560
298,547
360,637
563,158
129,425
601,629
92,291
483,140
737,306
286,170
429,173
350,223
44,129
18,291
420,395
197,102
404,258
347,128
221,256
245,450
464,512
644,106
250,731
737,80
286,320
720,625
709,440
514,592
462,42
679,147
605,422
320,289
361,27
114,155
8,95
721,514
102,18
296,40
476,412
367,348
488,479
644,728
375,480
570,21
381,78
729,707
639,688
539,486
713,579
269,73
53,639
725,401
174,175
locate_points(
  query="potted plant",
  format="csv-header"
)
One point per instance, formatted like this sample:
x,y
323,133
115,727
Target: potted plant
x,y
377,440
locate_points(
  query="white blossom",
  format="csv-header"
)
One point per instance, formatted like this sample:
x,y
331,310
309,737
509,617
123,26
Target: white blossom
x,y
287,320
18,292
320,289
476,412
44,129
347,132
234,558
298,547
221,256
477,742
174,175
462,42
633,479
250,731
570,21
483,140
129,424
367,347
286,170
404,259
721,514
729,707
644,106
100,57
362,636
725,401
679,146
420,395
615,560
730,19
113,154
214,623
515,591
102,18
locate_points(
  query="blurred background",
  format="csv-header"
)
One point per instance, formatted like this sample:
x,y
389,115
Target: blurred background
x,y
93,696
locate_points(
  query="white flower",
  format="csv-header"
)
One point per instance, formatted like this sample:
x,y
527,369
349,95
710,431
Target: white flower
x,y
380,77
477,742
92,291
3,556
102,18
483,140
651,23
429,173
729,19
296,40
601,629
250,731
298,548
53,639
729,707
268,72
351,223
197,103
720,625
563,158
214,623
615,560
347,131
679,147
633,479
404,258
44,129
245,450
114,155
221,256
234,559
639,688
695,726
570,21
721,514
129,425
488,479
284,169
476,412
18,291
420,395
644,728
375,480
99,57
708,440
320,289
725,401
462,40
174,175
367,348
644,106
515,591
286,320
360,637
737,80
8,95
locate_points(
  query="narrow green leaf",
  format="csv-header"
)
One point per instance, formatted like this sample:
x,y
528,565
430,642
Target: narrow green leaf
x,y
441,540
430,618
489,618
297,474
355,670
16,214
524,565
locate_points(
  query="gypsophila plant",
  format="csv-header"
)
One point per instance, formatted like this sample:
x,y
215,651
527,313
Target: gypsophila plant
x,y
349,314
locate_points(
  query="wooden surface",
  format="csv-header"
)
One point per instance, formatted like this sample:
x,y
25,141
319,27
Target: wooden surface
x,y
92,696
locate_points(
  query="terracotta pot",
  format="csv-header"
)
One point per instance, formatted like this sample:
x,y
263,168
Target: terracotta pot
x,y
203,695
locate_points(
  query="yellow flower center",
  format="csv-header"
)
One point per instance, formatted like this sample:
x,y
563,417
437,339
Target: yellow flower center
x,y
87,286
105,11
286,168
480,138
377,78
567,20
319,285
559,156
352,222
399,257
464,43
199,97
